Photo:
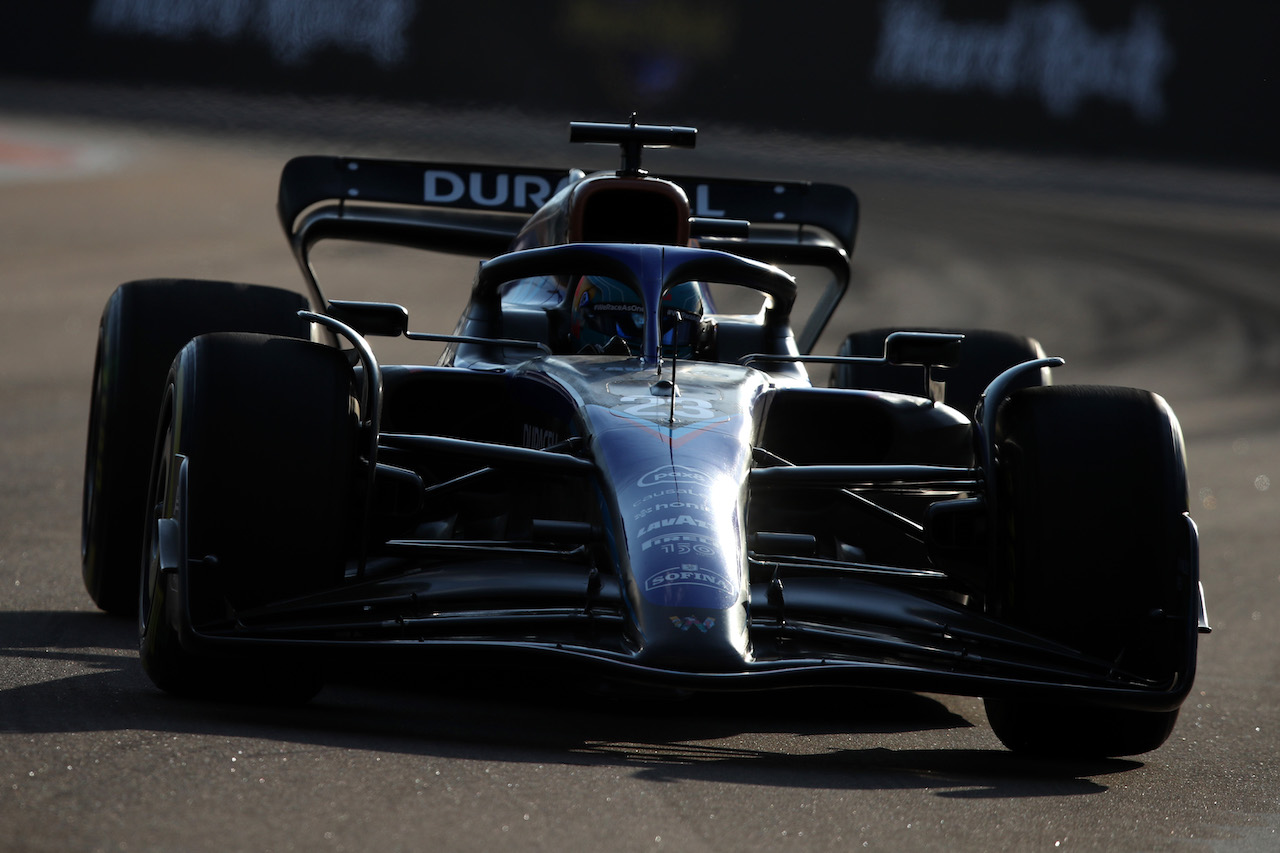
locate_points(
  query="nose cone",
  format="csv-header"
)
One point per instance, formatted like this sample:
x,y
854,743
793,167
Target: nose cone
x,y
676,459
694,640
684,558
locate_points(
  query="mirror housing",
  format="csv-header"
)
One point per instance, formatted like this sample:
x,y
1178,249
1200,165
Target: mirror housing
x,y
923,349
385,319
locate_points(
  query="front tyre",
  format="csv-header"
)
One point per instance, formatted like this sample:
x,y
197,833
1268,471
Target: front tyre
x,y
252,490
1096,552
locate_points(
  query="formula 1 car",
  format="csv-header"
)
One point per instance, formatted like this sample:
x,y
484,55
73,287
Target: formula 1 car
x,y
607,475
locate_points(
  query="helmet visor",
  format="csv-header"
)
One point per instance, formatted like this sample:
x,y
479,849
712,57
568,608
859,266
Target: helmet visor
x,y
627,322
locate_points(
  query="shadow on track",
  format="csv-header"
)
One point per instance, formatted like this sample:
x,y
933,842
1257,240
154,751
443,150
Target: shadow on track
x,y
78,673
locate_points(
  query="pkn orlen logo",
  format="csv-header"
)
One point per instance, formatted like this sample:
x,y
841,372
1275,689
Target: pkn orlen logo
x,y
673,474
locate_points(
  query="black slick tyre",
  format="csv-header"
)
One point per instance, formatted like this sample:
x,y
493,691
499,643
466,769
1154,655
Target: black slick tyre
x,y
254,469
1095,553
143,326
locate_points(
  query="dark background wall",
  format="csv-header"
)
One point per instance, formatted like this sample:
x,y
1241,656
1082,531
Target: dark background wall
x,y
1172,78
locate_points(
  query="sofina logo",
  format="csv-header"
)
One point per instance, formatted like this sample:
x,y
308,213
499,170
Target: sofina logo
x,y
687,575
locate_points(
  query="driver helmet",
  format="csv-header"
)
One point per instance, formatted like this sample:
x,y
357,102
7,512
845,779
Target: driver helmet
x,y
604,309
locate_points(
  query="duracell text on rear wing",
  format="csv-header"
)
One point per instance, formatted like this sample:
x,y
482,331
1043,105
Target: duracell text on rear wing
x,y
519,191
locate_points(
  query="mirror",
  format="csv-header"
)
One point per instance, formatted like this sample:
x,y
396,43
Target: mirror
x,y
371,318
924,349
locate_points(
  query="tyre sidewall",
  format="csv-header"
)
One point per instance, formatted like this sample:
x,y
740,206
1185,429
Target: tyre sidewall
x,y
144,324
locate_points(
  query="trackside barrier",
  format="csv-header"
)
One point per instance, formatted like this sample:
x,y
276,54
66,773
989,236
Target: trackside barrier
x,y
1112,76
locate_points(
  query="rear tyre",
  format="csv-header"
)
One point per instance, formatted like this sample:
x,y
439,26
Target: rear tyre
x,y
143,326
255,463
984,355
1097,554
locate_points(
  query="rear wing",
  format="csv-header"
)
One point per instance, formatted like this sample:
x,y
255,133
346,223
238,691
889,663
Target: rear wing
x,y
478,209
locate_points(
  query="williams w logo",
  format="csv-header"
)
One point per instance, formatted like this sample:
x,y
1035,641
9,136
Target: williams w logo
x,y
687,622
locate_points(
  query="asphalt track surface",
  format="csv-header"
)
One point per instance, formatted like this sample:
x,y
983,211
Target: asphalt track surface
x,y
1152,276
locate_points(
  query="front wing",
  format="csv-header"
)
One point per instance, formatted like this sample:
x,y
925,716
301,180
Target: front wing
x,y
541,608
